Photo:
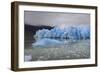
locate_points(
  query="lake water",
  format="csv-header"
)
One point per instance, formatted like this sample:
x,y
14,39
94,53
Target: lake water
x,y
63,50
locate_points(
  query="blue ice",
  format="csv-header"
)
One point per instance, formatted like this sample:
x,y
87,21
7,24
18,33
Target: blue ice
x,y
69,32
49,37
46,42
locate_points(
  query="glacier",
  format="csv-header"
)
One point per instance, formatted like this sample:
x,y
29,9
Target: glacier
x,y
45,37
68,32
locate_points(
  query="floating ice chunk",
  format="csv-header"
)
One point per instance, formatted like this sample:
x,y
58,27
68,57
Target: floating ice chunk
x,y
27,57
46,42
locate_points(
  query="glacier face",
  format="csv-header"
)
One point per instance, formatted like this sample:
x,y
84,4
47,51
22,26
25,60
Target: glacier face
x,y
68,32
46,37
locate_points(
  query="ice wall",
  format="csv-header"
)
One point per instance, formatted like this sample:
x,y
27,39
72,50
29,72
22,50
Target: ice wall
x,y
67,32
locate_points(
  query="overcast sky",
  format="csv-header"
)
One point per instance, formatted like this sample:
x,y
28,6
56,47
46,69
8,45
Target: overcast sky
x,y
55,18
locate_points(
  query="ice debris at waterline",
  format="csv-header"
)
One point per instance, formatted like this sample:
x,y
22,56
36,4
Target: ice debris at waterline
x,y
54,36
46,42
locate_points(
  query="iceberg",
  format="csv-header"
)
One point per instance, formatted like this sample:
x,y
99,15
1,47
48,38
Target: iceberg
x,y
45,42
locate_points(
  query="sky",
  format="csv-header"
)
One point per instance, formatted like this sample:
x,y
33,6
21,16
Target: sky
x,y
55,18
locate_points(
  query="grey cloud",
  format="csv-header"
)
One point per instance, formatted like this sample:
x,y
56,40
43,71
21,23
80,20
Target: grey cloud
x,y
55,18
